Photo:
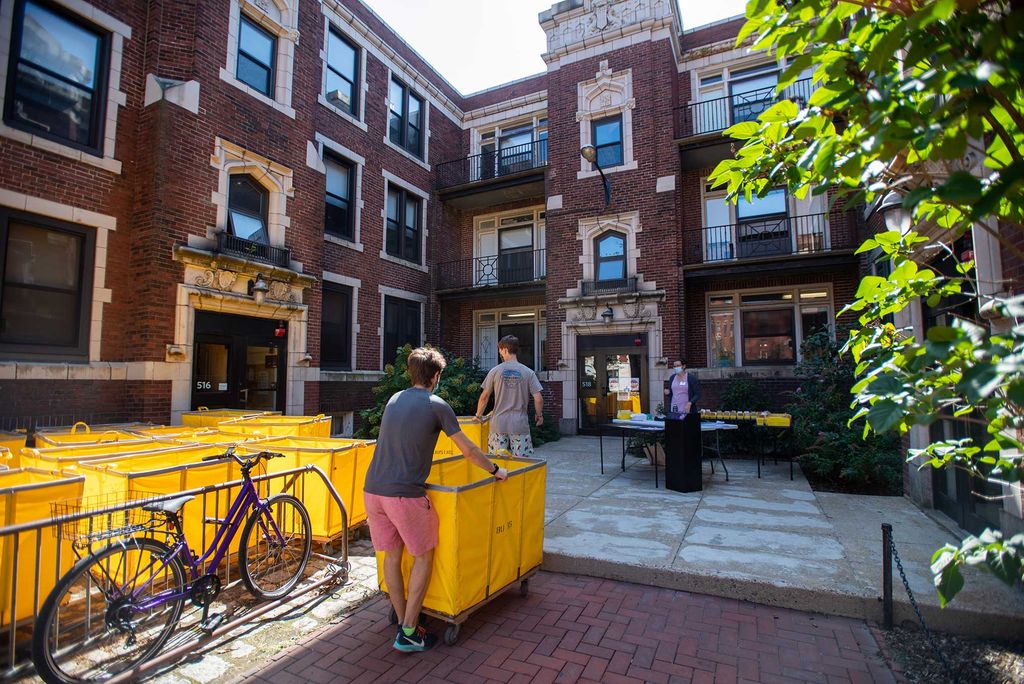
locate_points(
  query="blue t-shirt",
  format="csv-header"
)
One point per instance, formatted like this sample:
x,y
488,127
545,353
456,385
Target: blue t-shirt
x,y
412,420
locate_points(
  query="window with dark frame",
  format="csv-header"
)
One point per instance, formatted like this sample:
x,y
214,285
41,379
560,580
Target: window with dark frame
x,y
606,135
336,327
339,219
405,119
257,50
247,209
46,288
610,258
769,336
342,73
401,325
404,216
57,76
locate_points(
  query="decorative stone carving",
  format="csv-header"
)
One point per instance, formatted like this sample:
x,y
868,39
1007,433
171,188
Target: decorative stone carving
x,y
281,291
215,279
604,15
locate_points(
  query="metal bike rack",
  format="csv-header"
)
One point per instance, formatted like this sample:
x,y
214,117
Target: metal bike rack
x,y
17,660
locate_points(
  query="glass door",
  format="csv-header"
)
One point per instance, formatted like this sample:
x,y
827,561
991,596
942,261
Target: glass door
x,y
515,254
211,376
260,383
240,362
611,379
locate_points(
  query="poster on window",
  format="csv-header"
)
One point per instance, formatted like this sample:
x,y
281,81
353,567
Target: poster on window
x,y
623,396
634,384
613,384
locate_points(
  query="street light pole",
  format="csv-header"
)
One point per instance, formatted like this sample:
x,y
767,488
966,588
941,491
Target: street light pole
x,y
589,152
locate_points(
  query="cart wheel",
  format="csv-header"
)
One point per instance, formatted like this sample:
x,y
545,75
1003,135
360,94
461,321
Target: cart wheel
x,y
451,635
524,587
392,617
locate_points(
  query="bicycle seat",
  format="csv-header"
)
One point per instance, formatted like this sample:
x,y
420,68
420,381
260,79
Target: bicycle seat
x,y
169,507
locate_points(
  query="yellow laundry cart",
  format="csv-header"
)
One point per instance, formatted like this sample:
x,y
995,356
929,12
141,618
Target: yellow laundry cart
x,y
491,535
25,496
477,430
280,426
204,417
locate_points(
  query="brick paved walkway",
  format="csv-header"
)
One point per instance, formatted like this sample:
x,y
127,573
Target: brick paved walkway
x,y
574,628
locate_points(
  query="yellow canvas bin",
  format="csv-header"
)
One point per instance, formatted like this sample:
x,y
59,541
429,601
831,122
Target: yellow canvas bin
x,y
83,433
778,420
491,534
477,431
57,457
344,461
25,496
13,442
204,417
168,472
280,426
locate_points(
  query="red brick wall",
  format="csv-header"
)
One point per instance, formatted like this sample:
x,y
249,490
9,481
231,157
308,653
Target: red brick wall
x,y
457,318
62,402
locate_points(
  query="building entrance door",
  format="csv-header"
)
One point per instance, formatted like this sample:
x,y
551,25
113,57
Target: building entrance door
x,y
611,376
239,362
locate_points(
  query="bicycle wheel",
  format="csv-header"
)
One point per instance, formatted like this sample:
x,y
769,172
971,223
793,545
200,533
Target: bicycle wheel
x,y
90,628
275,547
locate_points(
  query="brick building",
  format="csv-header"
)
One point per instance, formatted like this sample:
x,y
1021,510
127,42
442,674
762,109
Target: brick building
x,y
252,203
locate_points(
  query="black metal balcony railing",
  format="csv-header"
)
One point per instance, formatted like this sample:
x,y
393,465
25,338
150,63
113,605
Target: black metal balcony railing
x,y
619,285
256,251
767,237
710,116
509,268
488,165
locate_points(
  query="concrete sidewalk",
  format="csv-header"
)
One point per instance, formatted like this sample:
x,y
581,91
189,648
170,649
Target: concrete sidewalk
x,y
768,540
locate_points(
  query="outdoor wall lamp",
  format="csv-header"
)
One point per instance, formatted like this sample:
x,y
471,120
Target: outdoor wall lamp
x,y
258,289
589,152
895,216
607,315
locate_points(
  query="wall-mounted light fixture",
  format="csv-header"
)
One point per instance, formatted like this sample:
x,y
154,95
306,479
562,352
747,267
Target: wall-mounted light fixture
x,y
258,288
895,216
589,152
608,315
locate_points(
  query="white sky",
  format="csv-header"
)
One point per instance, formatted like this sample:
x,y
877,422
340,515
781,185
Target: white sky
x,y
478,44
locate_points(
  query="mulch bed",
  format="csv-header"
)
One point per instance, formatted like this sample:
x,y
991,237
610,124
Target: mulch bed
x,y
974,661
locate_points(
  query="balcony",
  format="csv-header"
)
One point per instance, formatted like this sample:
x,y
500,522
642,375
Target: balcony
x,y
589,288
508,270
771,237
253,251
491,177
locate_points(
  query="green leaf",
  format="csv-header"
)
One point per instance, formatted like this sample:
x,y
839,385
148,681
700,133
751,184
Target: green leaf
x,y
743,130
948,583
961,187
884,414
942,333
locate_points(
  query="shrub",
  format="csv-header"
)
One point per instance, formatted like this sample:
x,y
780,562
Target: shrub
x,y
460,387
548,432
831,451
743,393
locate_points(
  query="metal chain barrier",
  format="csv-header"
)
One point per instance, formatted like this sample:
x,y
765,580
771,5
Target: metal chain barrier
x,y
887,580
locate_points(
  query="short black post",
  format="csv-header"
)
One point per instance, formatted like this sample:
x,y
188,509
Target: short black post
x,y
887,575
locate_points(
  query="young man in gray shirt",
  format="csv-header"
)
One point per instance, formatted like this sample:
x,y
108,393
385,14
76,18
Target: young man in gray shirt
x,y
398,511
512,384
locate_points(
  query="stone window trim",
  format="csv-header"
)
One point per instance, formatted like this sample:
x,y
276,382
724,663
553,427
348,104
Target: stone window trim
x,y
737,307
314,160
539,223
592,228
607,94
355,284
425,132
390,178
285,27
103,225
539,322
384,291
115,97
230,159
363,88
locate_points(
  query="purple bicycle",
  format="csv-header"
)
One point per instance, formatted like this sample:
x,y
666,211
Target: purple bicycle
x,y
117,607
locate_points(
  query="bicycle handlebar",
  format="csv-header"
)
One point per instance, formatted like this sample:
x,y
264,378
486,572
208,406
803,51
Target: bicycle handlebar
x,y
246,463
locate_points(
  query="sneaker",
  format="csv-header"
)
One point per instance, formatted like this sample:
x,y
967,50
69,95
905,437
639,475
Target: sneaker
x,y
421,640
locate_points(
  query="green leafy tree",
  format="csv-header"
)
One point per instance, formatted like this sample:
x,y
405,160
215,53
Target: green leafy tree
x,y
925,99
460,387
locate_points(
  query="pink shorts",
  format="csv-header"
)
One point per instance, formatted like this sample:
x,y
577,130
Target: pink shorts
x,y
397,520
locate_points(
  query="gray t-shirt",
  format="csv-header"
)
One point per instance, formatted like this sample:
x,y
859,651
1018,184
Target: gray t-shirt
x,y
409,428
512,383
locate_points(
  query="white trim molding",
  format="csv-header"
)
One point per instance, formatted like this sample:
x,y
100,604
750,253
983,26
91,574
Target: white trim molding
x,y
607,94
229,159
385,291
359,163
119,33
358,119
355,284
390,178
281,18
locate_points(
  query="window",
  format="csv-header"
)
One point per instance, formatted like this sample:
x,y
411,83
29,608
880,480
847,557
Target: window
x,y
336,327
57,76
607,137
403,225
338,214
247,209
752,91
405,121
766,327
401,325
610,257
515,254
763,226
342,70
256,50
46,289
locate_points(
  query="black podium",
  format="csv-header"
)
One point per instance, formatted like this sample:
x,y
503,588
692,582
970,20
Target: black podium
x,y
683,454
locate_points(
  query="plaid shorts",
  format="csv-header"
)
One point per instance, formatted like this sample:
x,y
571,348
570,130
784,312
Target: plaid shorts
x,y
517,445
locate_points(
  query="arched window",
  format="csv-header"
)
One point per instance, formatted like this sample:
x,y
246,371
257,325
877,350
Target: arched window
x,y
610,257
247,209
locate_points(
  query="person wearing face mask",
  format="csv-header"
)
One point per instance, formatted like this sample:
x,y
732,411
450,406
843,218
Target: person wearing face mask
x,y
682,391
398,511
